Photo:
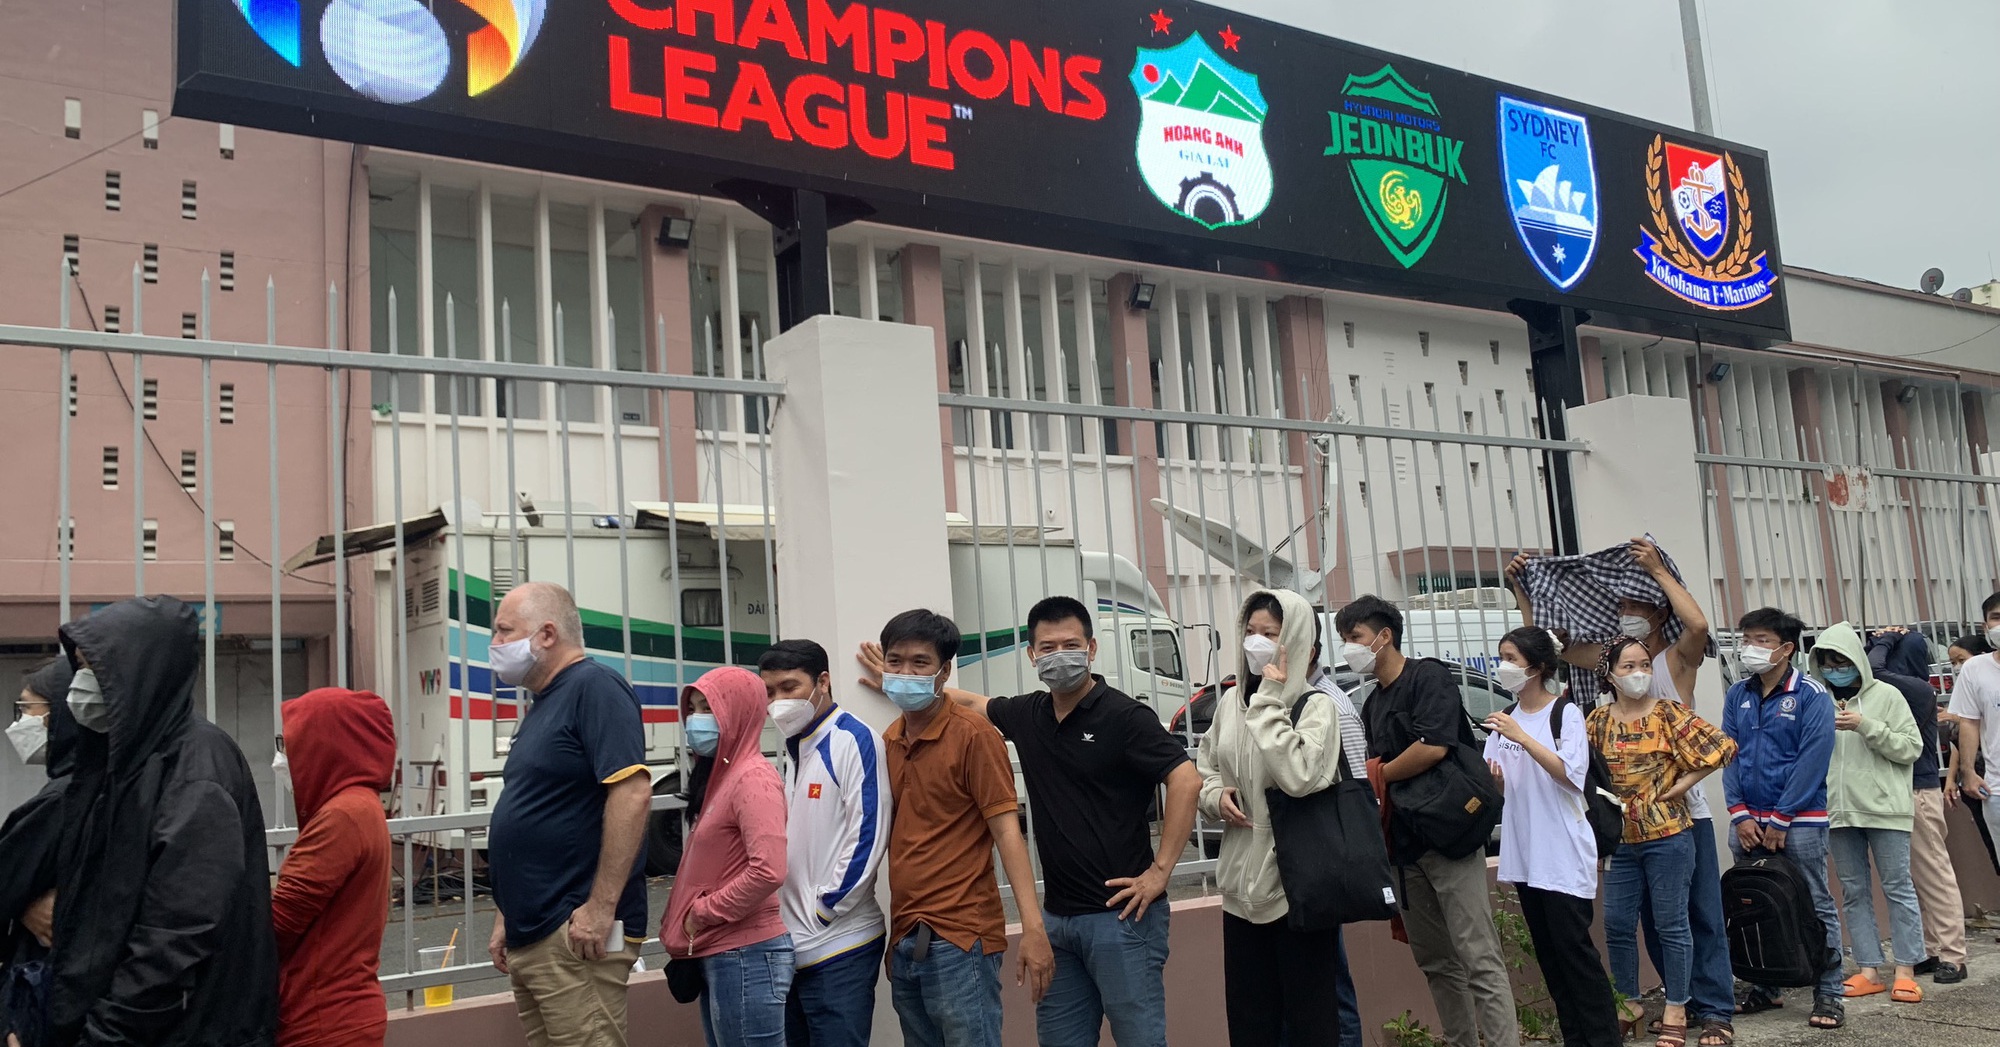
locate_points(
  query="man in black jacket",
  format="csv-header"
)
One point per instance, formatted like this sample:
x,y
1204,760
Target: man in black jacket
x,y
163,907
43,733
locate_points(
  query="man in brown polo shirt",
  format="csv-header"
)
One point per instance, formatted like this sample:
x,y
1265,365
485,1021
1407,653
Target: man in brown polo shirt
x,y
954,802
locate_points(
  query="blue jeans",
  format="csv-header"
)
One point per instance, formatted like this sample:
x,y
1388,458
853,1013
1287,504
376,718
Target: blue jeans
x,y
1806,846
1659,870
1712,993
949,999
833,1001
1106,968
744,1003
1891,850
1343,992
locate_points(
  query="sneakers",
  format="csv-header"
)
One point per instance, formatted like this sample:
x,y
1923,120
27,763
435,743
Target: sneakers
x,y
1949,973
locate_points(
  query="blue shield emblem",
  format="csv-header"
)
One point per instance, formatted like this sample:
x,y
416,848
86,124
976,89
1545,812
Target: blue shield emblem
x,y
1551,179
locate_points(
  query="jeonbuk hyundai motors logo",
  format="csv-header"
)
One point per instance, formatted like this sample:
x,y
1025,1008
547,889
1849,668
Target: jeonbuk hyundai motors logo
x,y
1201,133
1399,158
398,51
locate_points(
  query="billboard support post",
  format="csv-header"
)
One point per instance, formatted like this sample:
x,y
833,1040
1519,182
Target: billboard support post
x,y
1557,355
800,221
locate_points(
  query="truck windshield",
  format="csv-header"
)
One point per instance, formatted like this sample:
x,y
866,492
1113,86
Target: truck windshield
x,y
1157,651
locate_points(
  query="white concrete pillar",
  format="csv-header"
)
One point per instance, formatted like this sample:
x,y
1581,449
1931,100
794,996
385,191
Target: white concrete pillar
x,y
1640,477
860,534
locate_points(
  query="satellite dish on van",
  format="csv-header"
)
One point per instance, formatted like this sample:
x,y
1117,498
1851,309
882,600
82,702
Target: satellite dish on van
x,y
1933,281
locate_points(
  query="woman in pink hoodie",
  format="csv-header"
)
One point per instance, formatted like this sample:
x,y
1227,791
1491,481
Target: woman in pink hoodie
x,y
724,907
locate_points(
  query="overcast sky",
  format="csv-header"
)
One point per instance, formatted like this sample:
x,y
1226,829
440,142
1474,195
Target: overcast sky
x,y
1880,117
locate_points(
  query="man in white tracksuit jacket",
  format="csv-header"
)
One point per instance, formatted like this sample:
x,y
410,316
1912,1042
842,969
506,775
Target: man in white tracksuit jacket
x,y
837,830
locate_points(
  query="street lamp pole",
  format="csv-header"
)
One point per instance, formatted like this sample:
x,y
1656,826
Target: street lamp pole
x,y
1704,114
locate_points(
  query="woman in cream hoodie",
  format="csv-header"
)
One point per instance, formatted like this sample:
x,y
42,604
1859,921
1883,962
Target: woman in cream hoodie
x,y
1277,982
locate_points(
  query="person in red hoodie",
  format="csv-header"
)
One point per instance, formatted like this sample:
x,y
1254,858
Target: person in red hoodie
x,y
723,910
332,898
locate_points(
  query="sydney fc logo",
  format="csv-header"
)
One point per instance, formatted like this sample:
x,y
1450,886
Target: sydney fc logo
x,y
1699,246
1546,163
1400,159
1201,134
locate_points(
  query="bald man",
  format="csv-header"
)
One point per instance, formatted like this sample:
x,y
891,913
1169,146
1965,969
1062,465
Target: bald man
x,y
563,849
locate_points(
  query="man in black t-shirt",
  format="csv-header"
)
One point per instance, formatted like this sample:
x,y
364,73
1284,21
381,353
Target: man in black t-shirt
x,y
1414,718
1092,758
563,849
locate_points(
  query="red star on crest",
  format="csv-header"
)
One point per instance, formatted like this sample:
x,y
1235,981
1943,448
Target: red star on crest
x,y
1161,23
1230,38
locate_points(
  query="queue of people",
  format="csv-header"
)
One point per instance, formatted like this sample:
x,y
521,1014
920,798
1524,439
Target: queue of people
x,y
142,908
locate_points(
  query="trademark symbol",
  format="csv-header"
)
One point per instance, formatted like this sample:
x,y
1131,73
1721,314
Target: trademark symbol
x,y
962,112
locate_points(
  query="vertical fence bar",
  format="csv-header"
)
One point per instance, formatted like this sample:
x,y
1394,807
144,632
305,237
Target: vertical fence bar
x,y
211,616
722,545
138,475
337,494
463,634
569,500
618,507
400,603
65,530
277,580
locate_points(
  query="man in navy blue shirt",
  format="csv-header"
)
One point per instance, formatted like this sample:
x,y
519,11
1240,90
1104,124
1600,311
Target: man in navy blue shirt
x,y
563,849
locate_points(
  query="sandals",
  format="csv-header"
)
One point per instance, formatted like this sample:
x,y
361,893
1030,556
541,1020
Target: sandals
x,y
1907,991
1757,1000
1827,1013
1717,1033
1862,985
1672,1035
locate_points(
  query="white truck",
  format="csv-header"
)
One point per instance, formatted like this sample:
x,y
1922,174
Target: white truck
x,y
690,610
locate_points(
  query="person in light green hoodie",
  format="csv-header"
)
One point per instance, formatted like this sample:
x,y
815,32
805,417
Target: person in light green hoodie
x,y
1872,811
1277,983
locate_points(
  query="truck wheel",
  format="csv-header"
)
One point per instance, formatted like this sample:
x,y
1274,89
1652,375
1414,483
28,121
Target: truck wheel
x,y
664,832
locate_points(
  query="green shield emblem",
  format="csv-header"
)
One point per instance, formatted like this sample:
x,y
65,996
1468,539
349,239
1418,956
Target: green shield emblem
x,y
1399,160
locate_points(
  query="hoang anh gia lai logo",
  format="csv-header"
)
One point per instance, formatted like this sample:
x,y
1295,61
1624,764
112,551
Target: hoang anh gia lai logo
x,y
400,51
1201,134
1684,251
1399,159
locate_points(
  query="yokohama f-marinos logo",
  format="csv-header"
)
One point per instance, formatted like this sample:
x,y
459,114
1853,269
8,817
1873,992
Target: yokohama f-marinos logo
x,y
1701,246
1201,134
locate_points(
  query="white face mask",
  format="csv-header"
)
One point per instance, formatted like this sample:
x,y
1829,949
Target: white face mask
x,y
1757,660
513,661
1258,651
86,702
1511,676
1358,658
1635,626
281,770
30,735
792,715
1637,685
1993,637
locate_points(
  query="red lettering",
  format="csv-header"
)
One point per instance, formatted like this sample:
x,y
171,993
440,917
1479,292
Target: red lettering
x,y
721,15
994,81
1045,77
683,87
927,116
898,38
623,98
771,20
825,125
1078,71
890,145
934,33
753,99
849,29
644,17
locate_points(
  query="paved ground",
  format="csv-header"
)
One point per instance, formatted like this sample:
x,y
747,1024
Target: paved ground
x,y
1962,1015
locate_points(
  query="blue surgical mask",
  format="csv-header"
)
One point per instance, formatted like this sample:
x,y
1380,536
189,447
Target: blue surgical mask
x,y
1847,677
703,734
910,693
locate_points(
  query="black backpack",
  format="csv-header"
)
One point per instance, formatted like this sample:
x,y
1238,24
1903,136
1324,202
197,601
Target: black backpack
x,y
1601,806
1775,936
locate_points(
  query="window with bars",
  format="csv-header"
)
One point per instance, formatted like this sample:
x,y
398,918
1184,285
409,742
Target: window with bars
x,y
190,470
1430,394
149,399
1424,342
112,317
72,252
1348,329
149,128
225,403
188,200
225,539
227,271
72,396
189,328
1464,373
114,191
227,140
149,263
66,539
1494,347
72,118
111,468
149,540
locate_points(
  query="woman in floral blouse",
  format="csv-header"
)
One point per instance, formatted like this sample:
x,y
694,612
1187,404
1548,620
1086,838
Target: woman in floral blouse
x,y
1656,751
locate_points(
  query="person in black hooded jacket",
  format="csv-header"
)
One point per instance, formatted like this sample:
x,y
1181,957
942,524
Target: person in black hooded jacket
x,y
28,838
1901,658
163,901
